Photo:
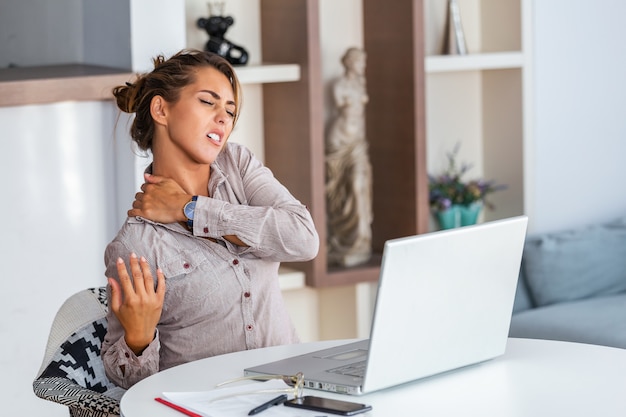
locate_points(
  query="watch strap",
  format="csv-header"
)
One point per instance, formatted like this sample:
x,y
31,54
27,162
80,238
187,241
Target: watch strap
x,y
188,209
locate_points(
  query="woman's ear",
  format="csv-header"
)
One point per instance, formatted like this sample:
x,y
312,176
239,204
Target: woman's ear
x,y
158,107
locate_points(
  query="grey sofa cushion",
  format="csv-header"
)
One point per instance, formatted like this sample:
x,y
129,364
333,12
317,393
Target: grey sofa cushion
x,y
576,264
600,321
522,297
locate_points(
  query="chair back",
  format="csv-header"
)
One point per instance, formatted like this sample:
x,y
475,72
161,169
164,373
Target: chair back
x,y
72,372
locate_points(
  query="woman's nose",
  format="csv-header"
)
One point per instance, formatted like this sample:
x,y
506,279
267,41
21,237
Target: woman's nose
x,y
221,115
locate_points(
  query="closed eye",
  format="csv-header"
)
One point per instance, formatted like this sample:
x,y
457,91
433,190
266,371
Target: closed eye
x,y
230,113
210,103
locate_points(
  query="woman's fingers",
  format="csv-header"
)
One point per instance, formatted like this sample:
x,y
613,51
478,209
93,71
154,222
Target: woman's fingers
x,y
116,295
148,280
125,281
135,301
142,282
160,289
137,273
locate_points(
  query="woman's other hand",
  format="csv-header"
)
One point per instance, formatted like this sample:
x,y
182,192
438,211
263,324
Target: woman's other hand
x,y
137,304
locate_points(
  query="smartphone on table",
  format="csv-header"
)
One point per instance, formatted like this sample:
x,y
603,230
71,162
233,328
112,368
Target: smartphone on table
x,y
328,405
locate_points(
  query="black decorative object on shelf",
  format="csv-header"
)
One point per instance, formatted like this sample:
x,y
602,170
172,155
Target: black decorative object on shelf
x,y
216,26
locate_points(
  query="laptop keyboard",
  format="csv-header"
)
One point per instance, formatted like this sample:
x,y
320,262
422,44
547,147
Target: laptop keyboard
x,y
356,369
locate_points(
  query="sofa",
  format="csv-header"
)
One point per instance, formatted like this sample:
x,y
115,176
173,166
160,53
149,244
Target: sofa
x,y
572,286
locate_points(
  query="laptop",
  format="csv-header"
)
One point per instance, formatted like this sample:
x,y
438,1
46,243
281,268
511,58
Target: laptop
x,y
444,301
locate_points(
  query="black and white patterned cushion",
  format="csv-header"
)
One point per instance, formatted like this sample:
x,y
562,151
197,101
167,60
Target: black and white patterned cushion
x,y
78,358
75,374
81,401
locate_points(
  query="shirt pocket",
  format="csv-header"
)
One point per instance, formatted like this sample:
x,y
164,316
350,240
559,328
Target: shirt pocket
x,y
189,278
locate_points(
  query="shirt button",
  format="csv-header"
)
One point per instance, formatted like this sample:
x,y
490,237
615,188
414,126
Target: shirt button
x,y
206,230
235,261
186,265
246,294
249,327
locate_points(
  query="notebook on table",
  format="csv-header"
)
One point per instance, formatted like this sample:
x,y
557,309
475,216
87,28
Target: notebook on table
x,y
444,301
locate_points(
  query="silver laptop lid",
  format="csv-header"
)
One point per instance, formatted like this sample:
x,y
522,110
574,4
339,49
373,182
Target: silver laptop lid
x,y
444,301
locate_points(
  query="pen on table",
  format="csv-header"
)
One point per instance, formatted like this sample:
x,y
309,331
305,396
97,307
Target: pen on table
x,y
276,401
177,407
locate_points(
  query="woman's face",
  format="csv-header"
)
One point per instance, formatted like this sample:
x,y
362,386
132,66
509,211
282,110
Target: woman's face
x,y
201,121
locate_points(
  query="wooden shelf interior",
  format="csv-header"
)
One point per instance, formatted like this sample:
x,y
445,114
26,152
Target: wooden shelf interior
x,y
294,125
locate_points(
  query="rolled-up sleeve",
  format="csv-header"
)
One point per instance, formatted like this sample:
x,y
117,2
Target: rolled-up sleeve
x,y
266,216
124,368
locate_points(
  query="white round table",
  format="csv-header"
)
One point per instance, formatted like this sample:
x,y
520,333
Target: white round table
x,y
533,378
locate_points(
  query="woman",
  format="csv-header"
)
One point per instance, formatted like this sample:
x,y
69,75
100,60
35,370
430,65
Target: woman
x,y
211,219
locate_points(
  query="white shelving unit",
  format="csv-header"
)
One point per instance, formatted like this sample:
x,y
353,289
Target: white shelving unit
x,y
268,73
474,62
48,84
477,100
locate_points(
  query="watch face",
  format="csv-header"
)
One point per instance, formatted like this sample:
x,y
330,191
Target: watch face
x,y
189,209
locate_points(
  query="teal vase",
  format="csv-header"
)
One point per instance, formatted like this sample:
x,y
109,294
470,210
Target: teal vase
x,y
458,215
449,218
469,213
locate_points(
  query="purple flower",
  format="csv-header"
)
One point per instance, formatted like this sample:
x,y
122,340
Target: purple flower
x,y
448,188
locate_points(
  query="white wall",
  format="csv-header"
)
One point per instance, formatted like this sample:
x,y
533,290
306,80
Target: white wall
x,y
578,149
57,172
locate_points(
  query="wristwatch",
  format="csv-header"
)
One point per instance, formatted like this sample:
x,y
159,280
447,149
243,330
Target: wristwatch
x,y
189,209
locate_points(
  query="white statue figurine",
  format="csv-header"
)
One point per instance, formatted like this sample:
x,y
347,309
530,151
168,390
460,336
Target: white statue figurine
x,y
348,170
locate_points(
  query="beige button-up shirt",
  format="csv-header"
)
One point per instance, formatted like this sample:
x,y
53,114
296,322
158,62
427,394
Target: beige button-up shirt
x,y
219,297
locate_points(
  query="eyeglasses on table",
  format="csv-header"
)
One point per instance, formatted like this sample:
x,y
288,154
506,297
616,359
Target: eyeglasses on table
x,y
295,382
